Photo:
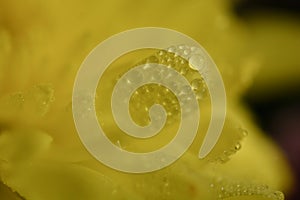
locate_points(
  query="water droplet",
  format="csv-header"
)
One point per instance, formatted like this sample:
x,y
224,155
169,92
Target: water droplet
x,y
197,62
200,94
128,81
197,84
278,195
171,49
161,53
227,188
167,102
184,70
42,96
237,146
186,52
146,108
243,131
17,100
152,59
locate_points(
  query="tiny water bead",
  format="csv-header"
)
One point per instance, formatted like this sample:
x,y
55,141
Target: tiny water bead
x,y
237,146
43,95
199,87
197,84
201,94
152,59
17,100
243,131
184,70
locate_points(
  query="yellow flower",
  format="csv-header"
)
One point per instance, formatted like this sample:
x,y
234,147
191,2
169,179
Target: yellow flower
x,y
42,45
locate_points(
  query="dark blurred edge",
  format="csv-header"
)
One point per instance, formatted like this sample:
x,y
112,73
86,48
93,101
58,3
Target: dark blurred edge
x,y
277,114
246,8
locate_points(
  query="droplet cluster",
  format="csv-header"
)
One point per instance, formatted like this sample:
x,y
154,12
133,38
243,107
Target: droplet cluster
x,y
148,95
86,105
35,101
177,58
43,96
225,190
226,154
17,100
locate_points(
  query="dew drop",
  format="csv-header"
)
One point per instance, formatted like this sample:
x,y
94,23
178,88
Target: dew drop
x,y
196,84
186,52
152,59
244,131
278,195
200,95
171,49
161,53
167,102
237,146
169,60
146,109
43,96
169,113
128,81
184,70
197,62
17,100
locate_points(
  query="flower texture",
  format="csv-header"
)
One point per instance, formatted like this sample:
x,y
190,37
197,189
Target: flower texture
x,y
43,43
